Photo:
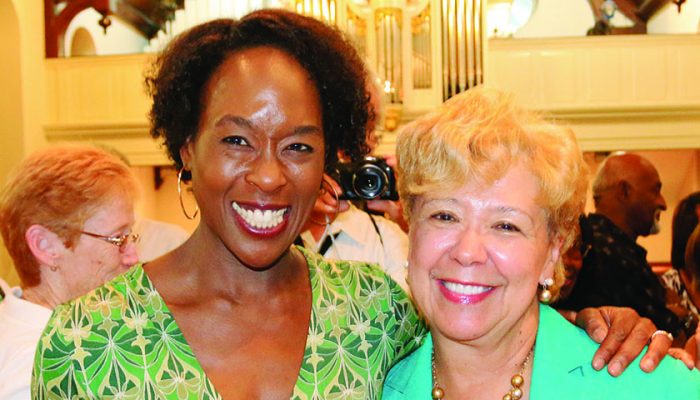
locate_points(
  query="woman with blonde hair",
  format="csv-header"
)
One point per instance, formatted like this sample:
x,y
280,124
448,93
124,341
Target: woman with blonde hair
x,y
65,218
493,193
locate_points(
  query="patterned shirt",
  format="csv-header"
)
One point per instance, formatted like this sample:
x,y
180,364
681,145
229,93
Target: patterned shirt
x,y
121,341
673,282
615,272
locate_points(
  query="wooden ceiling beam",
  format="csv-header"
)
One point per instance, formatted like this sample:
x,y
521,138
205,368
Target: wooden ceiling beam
x,y
647,8
629,9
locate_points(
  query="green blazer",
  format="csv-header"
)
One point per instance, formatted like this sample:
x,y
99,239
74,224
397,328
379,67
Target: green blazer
x,y
562,370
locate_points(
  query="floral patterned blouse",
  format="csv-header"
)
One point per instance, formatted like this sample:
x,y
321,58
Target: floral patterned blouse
x,y
120,341
672,280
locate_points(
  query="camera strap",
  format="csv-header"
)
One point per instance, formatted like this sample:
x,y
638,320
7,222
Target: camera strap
x,y
325,245
327,242
376,228
329,239
299,241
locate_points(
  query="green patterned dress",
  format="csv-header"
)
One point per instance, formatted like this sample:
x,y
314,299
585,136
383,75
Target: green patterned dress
x,y
120,341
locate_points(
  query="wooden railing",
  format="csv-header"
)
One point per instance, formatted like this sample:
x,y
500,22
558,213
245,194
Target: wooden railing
x,y
622,92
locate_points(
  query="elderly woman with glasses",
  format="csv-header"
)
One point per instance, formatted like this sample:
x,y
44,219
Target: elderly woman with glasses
x,y
65,219
493,194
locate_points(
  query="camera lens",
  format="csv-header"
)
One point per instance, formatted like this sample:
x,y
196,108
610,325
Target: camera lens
x,y
369,181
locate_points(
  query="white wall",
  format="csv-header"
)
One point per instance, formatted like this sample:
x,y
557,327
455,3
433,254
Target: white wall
x,y
121,38
558,18
11,129
23,84
30,15
562,18
668,20
163,204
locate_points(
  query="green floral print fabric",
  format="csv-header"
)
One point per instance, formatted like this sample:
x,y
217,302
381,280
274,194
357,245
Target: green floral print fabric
x,y
120,341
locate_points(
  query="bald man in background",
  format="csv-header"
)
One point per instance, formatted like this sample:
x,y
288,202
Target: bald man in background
x,y
628,204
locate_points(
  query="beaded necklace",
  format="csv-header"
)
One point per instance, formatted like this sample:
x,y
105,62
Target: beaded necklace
x,y
516,381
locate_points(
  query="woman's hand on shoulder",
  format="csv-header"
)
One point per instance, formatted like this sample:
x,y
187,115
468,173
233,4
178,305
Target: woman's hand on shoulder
x,y
692,346
690,355
622,335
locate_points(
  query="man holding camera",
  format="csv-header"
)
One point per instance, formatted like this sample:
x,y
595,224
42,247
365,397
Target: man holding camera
x,y
340,230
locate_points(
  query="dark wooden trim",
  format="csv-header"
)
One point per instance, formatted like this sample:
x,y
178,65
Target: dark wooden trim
x,y
638,11
56,25
629,9
147,16
648,8
50,40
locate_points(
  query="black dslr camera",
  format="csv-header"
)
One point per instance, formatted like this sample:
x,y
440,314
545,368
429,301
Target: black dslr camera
x,y
366,179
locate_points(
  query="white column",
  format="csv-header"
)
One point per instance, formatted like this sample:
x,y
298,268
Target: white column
x,y
227,9
213,9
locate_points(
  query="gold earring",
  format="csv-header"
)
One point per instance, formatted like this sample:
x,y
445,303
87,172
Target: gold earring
x,y
545,293
54,265
179,195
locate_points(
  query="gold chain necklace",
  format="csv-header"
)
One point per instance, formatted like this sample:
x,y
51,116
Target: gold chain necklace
x,y
516,381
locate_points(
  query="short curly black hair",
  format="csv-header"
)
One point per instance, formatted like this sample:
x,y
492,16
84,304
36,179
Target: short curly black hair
x,y
179,75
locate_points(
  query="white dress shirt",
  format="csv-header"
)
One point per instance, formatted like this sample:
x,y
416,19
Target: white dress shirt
x,y
355,238
21,324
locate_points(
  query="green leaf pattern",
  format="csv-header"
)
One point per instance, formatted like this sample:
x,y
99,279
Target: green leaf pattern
x,y
120,341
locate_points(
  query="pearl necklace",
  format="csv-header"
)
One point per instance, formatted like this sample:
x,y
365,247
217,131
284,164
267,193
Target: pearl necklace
x,y
516,381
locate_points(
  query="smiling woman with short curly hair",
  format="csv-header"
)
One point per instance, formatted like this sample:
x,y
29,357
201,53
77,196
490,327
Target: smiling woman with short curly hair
x,y
252,112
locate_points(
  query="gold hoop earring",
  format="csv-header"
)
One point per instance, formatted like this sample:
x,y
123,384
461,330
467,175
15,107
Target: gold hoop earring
x,y
545,293
179,195
337,203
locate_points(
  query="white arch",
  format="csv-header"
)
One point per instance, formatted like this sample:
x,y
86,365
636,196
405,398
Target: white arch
x,y
120,38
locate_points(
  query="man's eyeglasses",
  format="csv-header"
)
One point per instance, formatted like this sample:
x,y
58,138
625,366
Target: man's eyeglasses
x,y
119,241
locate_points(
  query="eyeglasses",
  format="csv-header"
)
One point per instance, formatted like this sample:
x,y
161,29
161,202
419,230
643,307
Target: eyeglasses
x,y
119,241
